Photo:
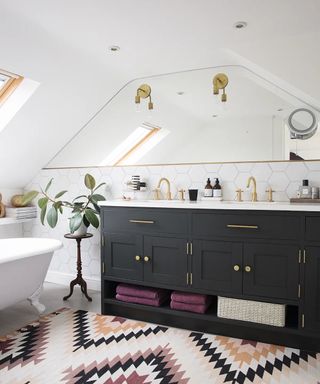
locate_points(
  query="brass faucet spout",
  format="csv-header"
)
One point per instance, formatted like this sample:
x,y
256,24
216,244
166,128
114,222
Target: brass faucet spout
x,y
254,196
165,180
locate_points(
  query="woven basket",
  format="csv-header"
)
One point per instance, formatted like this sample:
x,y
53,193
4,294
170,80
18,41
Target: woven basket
x,y
253,311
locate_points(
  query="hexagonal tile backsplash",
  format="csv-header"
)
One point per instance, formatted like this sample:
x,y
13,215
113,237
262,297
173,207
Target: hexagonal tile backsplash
x,y
284,178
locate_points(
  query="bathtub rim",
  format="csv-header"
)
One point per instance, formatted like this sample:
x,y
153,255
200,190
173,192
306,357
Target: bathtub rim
x,y
48,245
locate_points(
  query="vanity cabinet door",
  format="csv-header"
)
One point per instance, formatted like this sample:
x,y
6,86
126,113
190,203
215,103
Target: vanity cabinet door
x,y
165,260
217,266
123,256
271,270
312,289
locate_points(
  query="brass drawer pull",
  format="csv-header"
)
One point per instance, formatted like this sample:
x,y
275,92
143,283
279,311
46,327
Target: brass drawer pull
x,y
236,267
242,226
138,258
247,268
141,221
146,258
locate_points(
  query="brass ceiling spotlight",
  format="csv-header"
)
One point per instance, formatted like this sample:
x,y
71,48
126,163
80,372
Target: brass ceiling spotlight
x,y
143,92
220,81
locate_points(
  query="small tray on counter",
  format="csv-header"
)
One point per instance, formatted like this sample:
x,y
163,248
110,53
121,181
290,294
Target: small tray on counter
x,y
297,200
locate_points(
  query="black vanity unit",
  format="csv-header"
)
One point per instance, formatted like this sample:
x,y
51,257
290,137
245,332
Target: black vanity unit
x,y
261,255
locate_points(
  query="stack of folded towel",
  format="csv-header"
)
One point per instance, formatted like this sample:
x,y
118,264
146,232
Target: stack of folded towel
x,y
141,295
192,302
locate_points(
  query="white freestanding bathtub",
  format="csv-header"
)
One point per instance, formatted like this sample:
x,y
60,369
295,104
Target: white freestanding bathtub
x,y
24,263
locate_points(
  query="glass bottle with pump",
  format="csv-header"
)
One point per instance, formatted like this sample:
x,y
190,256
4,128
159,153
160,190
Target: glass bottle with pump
x,y
208,190
217,190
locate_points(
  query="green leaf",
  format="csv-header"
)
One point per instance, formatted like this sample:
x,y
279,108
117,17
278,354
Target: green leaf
x,y
61,210
28,197
89,181
100,185
96,197
97,208
57,204
48,185
75,222
79,197
43,213
85,221
52,217
43,202
92,217
60,194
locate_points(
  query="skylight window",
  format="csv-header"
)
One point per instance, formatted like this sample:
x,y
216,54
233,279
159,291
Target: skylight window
x,y
8,84
15,90
136,145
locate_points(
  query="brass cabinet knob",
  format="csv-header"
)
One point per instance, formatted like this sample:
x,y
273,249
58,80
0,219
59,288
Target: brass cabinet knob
x,y
247,268
146,258
236,267
138,258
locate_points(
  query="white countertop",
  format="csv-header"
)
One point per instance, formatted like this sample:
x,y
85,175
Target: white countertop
x,y
245,205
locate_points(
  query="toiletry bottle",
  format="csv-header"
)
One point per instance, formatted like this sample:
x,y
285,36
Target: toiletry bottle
x,y
217,191
208,190
305,190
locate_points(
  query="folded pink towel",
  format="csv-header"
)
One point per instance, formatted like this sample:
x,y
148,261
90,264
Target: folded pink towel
x,y
197,308
141,300
190,298
140,291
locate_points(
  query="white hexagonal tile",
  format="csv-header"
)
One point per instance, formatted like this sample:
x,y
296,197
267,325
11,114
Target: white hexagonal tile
x,y
296,171
314,178
279,166
292,189
228,172
244,167
182,180
261,171
198,174
182,168
313,165
241,180
228,190
212,168
94,267
279,181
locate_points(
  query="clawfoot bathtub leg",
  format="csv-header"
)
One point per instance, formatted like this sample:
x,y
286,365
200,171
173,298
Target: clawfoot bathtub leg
x,y
34,300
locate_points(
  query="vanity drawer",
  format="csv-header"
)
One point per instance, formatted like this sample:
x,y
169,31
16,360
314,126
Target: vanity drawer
x,y
144,220
246,226
312,228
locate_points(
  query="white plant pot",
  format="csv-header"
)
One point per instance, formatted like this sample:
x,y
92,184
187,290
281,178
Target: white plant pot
x,y
82,230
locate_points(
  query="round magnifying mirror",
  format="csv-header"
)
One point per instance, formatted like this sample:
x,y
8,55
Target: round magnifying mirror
x,y
302,123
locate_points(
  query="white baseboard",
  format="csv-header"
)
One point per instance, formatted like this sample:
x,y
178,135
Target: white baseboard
x,y
65,278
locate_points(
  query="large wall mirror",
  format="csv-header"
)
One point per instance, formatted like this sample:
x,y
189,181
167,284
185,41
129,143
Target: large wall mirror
x,y
190,124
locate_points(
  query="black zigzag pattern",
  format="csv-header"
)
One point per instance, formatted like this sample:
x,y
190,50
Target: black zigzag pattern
x,y
81,328
215,357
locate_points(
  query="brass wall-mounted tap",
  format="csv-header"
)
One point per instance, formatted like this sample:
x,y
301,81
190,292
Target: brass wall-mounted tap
x,y
254,196
157,190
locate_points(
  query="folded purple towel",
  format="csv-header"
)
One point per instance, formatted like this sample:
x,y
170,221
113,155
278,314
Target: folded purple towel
x,y
190,298
197,308
141,300
140,291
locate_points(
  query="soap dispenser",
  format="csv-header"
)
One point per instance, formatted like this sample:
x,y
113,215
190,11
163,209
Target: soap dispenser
x,y
217,190
208,190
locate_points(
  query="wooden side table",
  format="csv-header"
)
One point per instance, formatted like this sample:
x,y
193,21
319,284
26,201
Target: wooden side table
x,y
79,279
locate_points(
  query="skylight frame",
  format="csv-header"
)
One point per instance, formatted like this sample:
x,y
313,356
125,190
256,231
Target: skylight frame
x,y
10,85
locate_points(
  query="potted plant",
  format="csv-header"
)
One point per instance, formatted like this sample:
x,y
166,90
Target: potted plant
x,y
84,208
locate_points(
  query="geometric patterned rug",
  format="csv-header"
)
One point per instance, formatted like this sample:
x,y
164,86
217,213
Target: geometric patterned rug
x,y
72,347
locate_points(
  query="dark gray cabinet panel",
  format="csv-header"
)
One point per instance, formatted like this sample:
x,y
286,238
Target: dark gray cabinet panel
x,y
245,226
145,221
120,255
312,228
216,266
165,260
312,289
271,270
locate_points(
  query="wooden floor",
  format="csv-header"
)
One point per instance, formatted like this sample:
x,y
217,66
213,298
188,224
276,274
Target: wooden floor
x,y
21,314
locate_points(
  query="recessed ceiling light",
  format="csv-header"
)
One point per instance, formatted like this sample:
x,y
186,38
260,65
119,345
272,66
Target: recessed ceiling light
x,y
214,116
113,48
280,109
180,93
240,25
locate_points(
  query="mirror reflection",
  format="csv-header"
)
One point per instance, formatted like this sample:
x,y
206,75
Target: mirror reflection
x,y
221,114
